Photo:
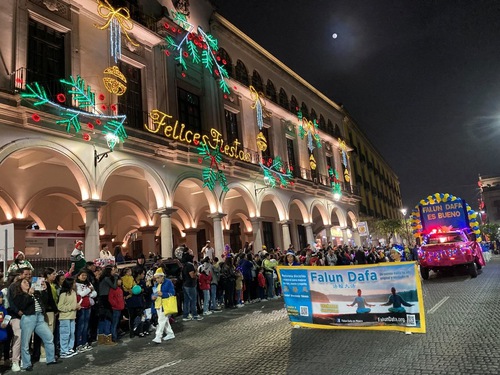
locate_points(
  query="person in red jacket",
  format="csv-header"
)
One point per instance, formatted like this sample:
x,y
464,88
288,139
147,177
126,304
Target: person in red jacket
x,y
204,280
261,280
117,303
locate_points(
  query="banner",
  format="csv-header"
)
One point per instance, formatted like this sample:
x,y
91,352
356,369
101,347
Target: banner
x,y
384,296
363,228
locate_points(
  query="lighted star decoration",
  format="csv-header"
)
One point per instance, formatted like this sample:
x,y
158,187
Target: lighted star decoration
x,y
275,172
345,157
335,183
118,22
309,128
85,111
259,104
200,48
213,173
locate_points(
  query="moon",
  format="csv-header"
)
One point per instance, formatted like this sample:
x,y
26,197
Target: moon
x,y
334,35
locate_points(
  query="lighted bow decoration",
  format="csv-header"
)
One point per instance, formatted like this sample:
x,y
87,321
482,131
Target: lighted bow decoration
x,y
345,157
259,104
111,125
200,47
213,173
118,21
311,129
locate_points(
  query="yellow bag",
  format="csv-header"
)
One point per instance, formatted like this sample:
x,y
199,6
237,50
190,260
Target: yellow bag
x,y
169,305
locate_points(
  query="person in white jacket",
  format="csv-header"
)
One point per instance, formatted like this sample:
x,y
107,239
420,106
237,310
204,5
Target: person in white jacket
x,y
85,297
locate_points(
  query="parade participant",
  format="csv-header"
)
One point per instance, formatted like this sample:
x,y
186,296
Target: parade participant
x,y
32,320
162,289
77,257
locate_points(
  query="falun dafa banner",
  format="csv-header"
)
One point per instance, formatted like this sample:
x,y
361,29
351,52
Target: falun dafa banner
x,y
384,296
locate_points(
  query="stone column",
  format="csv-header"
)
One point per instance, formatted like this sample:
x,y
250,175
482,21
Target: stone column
x,y
285,229
257,234
248,236
91,245
167,250
356,237
344,236
227,237
148,234
20,226
328,233
218,235
309,234
191,241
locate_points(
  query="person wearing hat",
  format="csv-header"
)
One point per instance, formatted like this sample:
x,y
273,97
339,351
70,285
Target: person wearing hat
x,y
77,257
163,288
208,251
291,259
19,263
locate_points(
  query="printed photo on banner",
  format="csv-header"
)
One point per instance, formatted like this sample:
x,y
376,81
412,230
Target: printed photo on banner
x,y
381,297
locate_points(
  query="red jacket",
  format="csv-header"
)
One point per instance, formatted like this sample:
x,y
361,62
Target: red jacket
x,y
116,299
205,280
262,280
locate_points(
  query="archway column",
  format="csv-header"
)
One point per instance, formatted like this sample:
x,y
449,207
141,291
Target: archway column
x,y
167,250
148,235
285,229
328,233
191,241
218,235
91,245
309,234
344,235
257,233
356,237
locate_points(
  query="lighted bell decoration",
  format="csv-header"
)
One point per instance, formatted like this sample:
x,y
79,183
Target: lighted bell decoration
x,y
261,142
114,81
312,162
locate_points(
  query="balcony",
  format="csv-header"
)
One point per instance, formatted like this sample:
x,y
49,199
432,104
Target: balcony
x,y
137,14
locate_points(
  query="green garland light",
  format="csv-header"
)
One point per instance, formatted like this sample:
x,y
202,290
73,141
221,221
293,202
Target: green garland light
x,y
311,129
335,182
212,174
275,173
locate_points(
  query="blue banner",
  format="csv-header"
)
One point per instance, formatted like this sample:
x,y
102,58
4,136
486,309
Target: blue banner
x,y
444,214
384,296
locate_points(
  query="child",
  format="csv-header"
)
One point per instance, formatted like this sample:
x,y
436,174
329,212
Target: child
x,y
117,302
163,289
127,280
261,280
68,306
239,288
85,297
204,281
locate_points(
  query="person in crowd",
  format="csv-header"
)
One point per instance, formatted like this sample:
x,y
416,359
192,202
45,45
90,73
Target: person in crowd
x,y
93,274
331,257
189,277
135,301
68,306
360,257
228,280
4,323
238,287
261,280
105,253
107,281
127,280
361,303
141,262
246,265
269,267
117,302
30,309
163,288
372,256
19,263
291,259
204,280
397,302
208,251
215,291
86,296
16,314
77,257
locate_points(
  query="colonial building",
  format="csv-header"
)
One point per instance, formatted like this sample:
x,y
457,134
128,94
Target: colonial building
x,y
149,124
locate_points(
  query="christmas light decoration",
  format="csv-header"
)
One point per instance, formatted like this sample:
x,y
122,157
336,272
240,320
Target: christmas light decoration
x,y
311,129
118,21
212,174
259,105
335,183
200,47
275,173
312,162
114,81
86,110
345,157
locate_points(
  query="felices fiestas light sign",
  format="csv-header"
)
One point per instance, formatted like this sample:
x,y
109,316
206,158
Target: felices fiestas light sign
x,y
178,132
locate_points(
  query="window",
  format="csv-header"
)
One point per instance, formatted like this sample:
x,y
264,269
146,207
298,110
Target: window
x,y
232,133
283,100
235,236
305,111
267,234
290,150
336,132
314,116
257,82
268,153
241,73
189,110
271,91
130,103
226,61
329,127
294,104
46,57
322,123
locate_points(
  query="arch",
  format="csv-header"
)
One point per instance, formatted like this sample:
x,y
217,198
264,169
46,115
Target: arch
x,y
322,123
194,177
75,165
323,211
245,219
280,207
9,208
294,104
336,131
283,99
339,212
271,91
67,194
302,208
354,220
140,213
160,191
257,81
245,193
313,115
305,111
329,127
226,61
186,218
241,73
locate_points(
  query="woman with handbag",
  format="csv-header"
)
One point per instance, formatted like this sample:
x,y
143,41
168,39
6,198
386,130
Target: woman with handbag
x,y
165,303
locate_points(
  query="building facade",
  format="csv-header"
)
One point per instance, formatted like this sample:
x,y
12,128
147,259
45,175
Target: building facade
x,y
149,124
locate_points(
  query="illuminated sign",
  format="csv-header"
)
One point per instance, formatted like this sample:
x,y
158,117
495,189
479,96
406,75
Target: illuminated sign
x,y
178,132
444,214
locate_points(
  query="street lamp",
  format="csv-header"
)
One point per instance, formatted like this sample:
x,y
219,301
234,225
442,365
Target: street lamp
x,y
404,211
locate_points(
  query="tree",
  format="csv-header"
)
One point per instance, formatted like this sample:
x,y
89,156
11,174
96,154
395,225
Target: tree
x,y
388,227
491,231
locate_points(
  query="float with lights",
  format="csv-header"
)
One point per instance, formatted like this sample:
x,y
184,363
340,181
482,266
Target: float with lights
x,y
447,230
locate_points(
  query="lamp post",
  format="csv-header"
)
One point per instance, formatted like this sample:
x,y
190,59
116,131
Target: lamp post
x,y
404,211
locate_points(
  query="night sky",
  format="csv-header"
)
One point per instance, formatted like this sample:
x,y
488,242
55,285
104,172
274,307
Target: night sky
x,y
421,78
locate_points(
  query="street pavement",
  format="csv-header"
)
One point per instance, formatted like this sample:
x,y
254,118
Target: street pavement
x,y
463,337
